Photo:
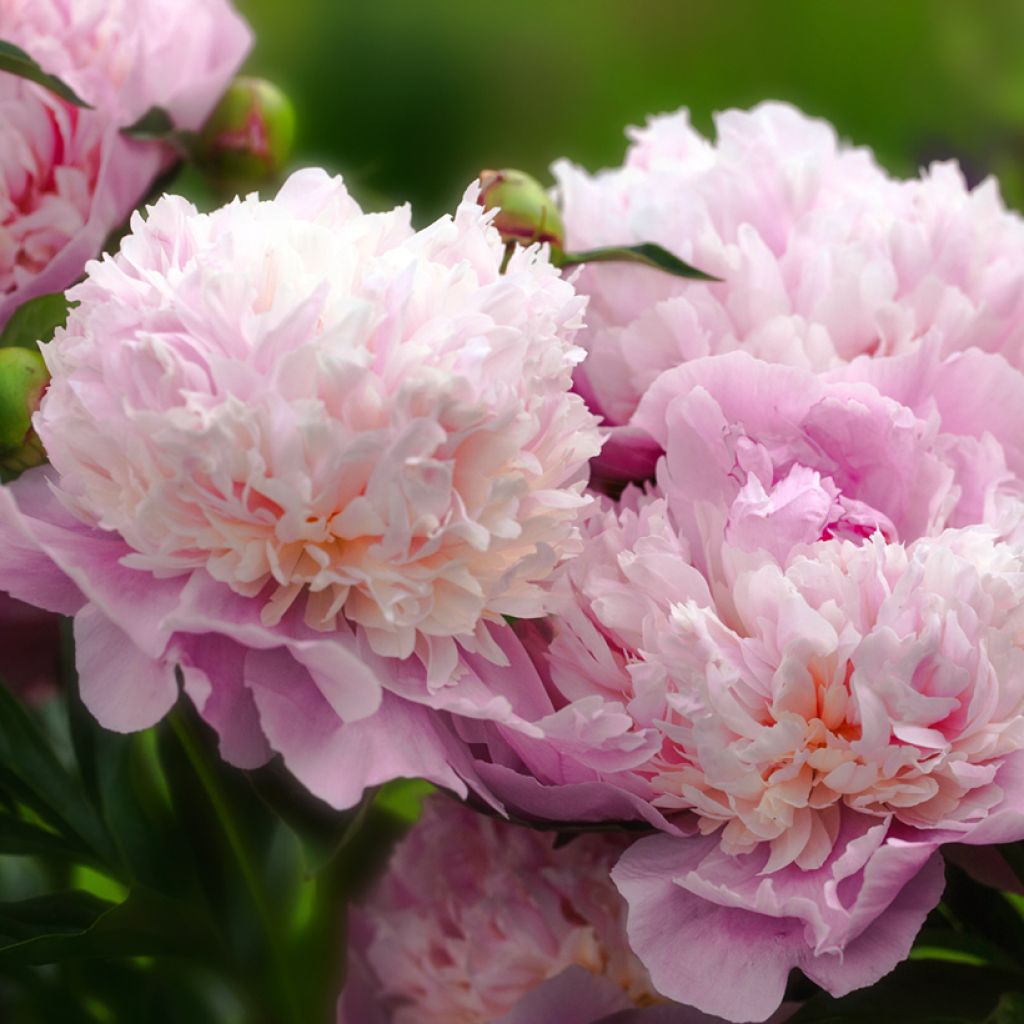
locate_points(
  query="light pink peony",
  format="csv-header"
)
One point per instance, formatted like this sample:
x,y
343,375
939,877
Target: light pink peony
x,y
125,56
823,256
67,176
290,440
806,646
477,921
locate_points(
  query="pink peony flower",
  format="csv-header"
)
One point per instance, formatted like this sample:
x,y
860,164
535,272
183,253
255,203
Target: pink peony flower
x,y
823,256
125,56
290,440
67,176
805,646
499,927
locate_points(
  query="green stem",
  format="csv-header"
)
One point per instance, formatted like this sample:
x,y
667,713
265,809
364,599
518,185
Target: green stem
x,y
510,247
198,758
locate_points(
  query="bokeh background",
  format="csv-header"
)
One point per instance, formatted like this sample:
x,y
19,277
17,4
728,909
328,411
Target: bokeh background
x,y
410,98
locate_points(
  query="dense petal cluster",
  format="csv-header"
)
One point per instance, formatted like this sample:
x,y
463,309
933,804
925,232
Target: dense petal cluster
x,y
501,927
67,176
875,677
325,452
823,256
325,407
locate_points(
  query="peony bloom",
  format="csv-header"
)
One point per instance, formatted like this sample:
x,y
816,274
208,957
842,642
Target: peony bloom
x,y
823,256
805,648
289,440
499,927
67,175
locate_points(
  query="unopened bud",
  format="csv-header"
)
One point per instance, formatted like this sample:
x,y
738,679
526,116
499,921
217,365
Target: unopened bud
x,y
526,213
248,139
23,379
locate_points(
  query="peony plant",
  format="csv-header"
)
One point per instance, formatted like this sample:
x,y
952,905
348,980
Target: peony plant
x,y
671,520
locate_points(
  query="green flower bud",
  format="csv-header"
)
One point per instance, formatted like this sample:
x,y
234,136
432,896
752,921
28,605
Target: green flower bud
x,y
23,379
248,139
526,213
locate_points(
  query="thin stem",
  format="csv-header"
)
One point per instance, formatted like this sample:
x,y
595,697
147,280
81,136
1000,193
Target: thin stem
x,y
510,247
198,758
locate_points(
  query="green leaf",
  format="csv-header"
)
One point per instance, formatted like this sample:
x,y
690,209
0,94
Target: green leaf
x,y
23,839
233,836
979,910
56,913
1009,1011
958,947
919,992
318,826
35,321
145,924
123,779
30,770
155,123
403,798
646,254
16,61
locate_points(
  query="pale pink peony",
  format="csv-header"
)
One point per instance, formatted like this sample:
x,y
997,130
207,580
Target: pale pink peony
x,y
477,921
289,440
125,56
807,645
823,256
67,176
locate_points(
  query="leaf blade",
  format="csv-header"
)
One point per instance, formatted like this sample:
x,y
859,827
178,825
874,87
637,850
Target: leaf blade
x,y
16,61
35,321
647,254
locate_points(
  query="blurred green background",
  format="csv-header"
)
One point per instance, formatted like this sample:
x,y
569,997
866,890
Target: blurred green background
x,y
410,98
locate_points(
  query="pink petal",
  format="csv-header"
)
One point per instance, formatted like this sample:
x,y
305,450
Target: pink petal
x,y
120,685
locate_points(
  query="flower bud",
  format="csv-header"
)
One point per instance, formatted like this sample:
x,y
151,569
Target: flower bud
x,y
526,213
248,138
23,379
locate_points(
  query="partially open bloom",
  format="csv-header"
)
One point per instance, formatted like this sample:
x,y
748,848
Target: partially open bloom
x,y
23,379
248,138
822,255
477,921
310,430
67,175
805,645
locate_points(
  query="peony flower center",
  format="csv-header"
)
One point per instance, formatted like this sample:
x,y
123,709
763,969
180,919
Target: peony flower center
x,y
899,716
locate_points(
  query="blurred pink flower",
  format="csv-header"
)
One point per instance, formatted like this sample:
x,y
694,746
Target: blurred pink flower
x,y
823,257
805,646
67,176
125,56
305,453
497,927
